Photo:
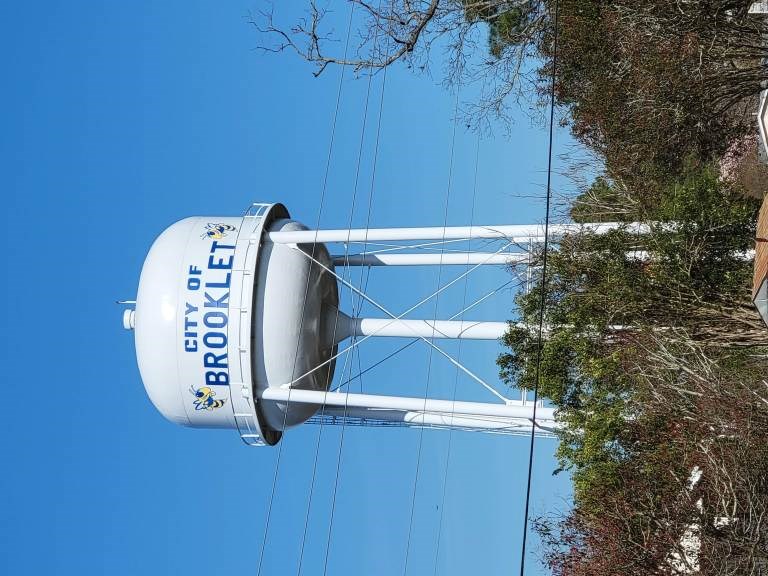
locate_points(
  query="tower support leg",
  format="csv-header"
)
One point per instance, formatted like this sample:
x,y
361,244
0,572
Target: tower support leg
x,y
430,259
375,402
462,329
514,232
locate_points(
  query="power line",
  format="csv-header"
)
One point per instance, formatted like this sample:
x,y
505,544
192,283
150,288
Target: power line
x,y
337,475
456,378
353,203
306,291
429,361
542,300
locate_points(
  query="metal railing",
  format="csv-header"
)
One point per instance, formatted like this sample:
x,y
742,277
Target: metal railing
x,y
244,405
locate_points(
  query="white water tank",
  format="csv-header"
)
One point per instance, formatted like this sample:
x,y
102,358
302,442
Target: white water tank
x,y
221,315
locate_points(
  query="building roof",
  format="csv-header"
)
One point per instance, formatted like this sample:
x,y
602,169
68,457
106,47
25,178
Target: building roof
x,y
760,278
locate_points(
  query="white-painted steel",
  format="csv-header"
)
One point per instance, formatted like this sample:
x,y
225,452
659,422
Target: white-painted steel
x,y
473,422
231,311
427,341
193,321
430,259
404,403
460,329
516,232
440,420
466,258
295,301
188,266
239,327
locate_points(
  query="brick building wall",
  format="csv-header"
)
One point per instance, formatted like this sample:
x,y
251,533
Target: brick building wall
x,y
761,249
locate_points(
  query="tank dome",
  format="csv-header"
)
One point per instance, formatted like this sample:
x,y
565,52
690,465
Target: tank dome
x,y
222,315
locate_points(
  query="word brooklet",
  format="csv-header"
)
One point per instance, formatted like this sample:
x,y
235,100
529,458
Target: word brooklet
x,y
206,318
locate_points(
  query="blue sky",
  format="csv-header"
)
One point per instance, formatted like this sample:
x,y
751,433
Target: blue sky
x,y
120,118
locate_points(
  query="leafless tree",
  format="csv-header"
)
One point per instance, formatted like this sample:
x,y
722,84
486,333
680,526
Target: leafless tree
x,y
694,409
722,407
483,42
729,43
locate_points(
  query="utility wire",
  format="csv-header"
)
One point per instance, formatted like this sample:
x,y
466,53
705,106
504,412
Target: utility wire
x,y
542,300
456,377
306,292
353,204
436,308
337,474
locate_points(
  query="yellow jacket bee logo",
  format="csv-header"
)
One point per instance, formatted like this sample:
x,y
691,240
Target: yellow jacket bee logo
x,y
204,399
217,231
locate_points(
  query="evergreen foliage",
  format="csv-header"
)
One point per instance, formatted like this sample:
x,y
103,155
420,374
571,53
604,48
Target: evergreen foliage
x,y
606,292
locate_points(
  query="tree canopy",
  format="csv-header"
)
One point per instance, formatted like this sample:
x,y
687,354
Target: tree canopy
x,y
654,357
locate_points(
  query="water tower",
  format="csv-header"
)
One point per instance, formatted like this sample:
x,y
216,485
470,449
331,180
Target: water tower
x,y
237,325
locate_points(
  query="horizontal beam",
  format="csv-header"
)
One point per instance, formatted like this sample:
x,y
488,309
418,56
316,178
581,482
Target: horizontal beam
x,y
403,403
516,232
430,259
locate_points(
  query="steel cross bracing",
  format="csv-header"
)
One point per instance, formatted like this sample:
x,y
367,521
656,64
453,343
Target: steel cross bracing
x,y
368,299
382,410
395,318
389,252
